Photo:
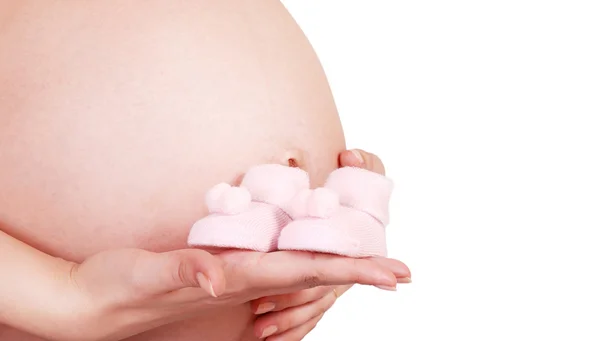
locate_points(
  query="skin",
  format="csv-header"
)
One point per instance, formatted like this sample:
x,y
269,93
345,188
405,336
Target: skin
x,y
292,316
115,118
121,292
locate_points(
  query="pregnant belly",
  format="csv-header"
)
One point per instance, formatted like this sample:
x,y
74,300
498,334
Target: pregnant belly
x,y
116,118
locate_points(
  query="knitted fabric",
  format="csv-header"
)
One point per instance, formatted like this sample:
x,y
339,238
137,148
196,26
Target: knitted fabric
x,y
346,217
250,216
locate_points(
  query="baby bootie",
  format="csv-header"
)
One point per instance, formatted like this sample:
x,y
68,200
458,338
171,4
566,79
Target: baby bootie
x,y
250,216
346,217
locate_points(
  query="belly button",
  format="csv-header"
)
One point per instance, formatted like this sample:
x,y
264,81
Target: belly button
x,y
295,158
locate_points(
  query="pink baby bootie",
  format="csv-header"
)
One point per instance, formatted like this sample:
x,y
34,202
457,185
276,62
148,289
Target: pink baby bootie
x,y
345,217
250,216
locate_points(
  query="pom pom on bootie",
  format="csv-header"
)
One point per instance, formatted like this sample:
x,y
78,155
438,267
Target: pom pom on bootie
x,y
346,217
251,216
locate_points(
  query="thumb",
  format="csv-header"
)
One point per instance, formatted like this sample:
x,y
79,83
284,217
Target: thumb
x,y
362,159
169,271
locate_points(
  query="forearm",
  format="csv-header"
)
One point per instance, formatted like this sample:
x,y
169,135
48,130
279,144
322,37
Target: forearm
x,y
33,294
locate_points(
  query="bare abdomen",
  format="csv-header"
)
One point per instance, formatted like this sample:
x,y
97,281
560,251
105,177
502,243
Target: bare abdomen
x,y
115,119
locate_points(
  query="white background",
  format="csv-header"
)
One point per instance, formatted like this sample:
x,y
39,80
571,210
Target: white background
x,y
486,114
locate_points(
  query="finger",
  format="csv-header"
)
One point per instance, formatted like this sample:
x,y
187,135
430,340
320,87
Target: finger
x,y
169,271
340,290
400,270
280,302
298,333
272,273
282,321
362,159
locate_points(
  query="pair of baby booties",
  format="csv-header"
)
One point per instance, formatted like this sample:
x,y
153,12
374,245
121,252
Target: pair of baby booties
x,y
275,209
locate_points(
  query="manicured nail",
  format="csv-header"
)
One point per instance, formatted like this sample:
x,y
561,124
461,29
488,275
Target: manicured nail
x,y
206,284
265,308
385,287
268,332
358,156
404,280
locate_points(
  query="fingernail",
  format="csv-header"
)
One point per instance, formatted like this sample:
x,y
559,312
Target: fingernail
x,y
385,287
404,280
358,156
265,308
206,284
268,332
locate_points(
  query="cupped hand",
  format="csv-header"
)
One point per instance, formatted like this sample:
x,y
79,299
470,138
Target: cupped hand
x,y
290,317
119,293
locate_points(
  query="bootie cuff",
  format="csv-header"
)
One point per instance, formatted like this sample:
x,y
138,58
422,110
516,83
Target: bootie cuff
x,y
362,190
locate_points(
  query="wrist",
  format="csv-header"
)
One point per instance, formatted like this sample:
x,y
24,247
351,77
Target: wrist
x,y
35,296
76,311
68,313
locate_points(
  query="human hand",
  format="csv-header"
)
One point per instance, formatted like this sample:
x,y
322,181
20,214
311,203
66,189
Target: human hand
x,y
120,293
292,316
